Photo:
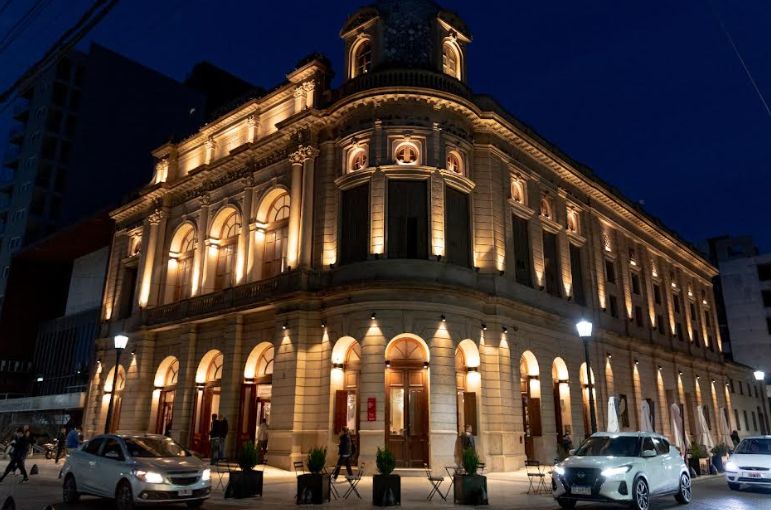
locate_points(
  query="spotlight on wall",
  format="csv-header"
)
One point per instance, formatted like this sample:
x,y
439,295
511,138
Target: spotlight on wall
x,y
324,324
284,326
661,368
388,363
484,327
698,378
472,369
636,362
443,318
505,330
133,354
713,381
372,316
425,364
338,365
609,355
679,372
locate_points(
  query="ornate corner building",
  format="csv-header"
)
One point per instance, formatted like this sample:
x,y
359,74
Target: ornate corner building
x,y
400,256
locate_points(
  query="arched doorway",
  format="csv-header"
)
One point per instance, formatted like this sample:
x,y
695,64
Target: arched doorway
x,y
530,389
208,379
256,392
562,409
585,395
346,367
117,400
407,401
166,385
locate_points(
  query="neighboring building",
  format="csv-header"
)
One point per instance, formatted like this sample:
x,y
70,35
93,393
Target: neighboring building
x,y
401,256
61,162
50,322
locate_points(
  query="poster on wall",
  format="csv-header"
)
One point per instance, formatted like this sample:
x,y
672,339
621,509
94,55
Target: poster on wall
x,y
371,409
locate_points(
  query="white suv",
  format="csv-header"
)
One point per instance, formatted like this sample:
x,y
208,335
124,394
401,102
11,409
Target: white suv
x,y
625,467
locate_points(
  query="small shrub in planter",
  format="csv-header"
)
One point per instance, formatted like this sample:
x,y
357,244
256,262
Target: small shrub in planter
x,y
470,488
718,452
313,487
386,487
247,482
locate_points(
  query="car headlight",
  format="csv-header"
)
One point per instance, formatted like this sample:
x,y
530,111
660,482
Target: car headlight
x,y
149,476
730,466
206,474
620,470
559,470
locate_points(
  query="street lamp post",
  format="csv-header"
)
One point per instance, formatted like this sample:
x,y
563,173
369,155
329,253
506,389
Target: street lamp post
x,y
584,328
120,342
760,376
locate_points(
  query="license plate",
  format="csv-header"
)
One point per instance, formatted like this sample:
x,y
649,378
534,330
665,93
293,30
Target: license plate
x,y
752,475
581,490
185,492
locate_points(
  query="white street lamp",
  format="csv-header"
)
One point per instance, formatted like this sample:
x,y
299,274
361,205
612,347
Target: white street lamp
x,y
584,328
119,342
759,375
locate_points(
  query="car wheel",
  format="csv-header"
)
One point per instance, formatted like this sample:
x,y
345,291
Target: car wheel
x,y
124,498
195,504
733,486
684,495
9,503
566,503
70,494
641,496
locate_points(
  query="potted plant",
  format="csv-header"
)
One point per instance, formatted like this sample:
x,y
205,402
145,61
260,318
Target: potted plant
x,y
718,452
247,482
696,454
313,487
470,488
386,487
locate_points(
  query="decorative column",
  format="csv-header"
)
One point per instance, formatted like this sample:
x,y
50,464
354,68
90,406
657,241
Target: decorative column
x,y
211,146
251,128
297,159
309,87
306,221
244,239
299,99
152,226
199,258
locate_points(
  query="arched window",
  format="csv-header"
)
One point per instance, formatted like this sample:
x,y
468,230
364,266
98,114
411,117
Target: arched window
x,y
451,59
214,371
181,265
517,190
357,159
407,153
226,253
361,58
276,235
455,162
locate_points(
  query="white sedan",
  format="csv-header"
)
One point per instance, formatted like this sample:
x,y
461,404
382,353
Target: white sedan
x,y
625,467
750,464
136,469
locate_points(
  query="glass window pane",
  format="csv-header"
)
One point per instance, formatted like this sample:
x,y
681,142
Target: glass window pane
x,y
397,411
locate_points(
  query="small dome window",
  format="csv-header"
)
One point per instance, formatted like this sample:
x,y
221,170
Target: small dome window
x,y
406,154
357,159
451,59
361,58
455,162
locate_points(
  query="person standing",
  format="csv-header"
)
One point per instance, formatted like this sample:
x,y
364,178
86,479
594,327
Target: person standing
x,y
214,438
735,438
18,455
345,450
223,436
60,444
73,439
262,439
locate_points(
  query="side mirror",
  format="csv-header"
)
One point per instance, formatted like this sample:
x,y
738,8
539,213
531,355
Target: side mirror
x,y
648,453
572,451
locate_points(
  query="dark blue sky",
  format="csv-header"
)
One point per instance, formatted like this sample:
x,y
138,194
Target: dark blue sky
x,y
649,94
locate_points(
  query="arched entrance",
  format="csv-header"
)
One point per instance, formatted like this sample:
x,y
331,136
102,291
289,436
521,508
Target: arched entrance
x,y
467,386
585,395
256,392
346,367
166,385
530,389
117,400
407,401
207,400
562,409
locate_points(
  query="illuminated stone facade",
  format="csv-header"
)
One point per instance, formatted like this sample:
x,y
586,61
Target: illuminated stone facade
x,y
401,256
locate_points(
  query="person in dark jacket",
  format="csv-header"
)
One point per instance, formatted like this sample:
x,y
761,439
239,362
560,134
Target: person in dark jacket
x,y
735,438
60,444
223,428
214,439
18,455
345,451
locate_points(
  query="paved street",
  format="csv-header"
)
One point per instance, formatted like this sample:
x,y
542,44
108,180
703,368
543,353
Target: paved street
x,y
507,490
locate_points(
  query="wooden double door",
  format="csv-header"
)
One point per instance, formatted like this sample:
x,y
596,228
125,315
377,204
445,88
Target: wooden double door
x,y
407,415
207,403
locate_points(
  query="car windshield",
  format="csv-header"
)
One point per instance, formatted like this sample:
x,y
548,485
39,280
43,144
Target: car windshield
x,y
154,447
761,446
607,446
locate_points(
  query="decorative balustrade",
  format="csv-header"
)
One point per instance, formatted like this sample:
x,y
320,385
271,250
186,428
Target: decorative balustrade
x,y
405,78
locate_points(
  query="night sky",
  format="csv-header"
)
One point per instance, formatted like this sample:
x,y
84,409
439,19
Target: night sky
x,y
649,94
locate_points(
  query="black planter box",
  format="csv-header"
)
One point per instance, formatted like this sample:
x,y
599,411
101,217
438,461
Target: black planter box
x,y
693,464
244,484
386,490
470,489
312,489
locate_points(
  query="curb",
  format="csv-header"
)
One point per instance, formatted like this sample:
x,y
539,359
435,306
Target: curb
x,y
707,477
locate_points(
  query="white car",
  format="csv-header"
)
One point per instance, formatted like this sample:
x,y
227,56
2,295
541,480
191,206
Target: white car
x,y
750,463
625,467
136,469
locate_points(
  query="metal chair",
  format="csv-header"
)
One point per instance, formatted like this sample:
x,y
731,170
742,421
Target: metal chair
x,y
436,483
332,489
535,474
451,472
353,481
299,467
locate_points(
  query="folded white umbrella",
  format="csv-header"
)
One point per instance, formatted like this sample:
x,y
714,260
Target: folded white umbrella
x,y
612,415
677,428
724,434
646,424
705,438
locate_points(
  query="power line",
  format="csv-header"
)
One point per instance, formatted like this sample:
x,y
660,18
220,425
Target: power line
x,y
23,23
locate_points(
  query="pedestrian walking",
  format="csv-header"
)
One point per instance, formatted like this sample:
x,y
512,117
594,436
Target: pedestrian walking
x,y
20,445
214,438
262,439
61,448
345,451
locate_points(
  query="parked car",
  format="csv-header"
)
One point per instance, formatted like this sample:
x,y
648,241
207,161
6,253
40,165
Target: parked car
x,y
750,463
626,467
136,469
